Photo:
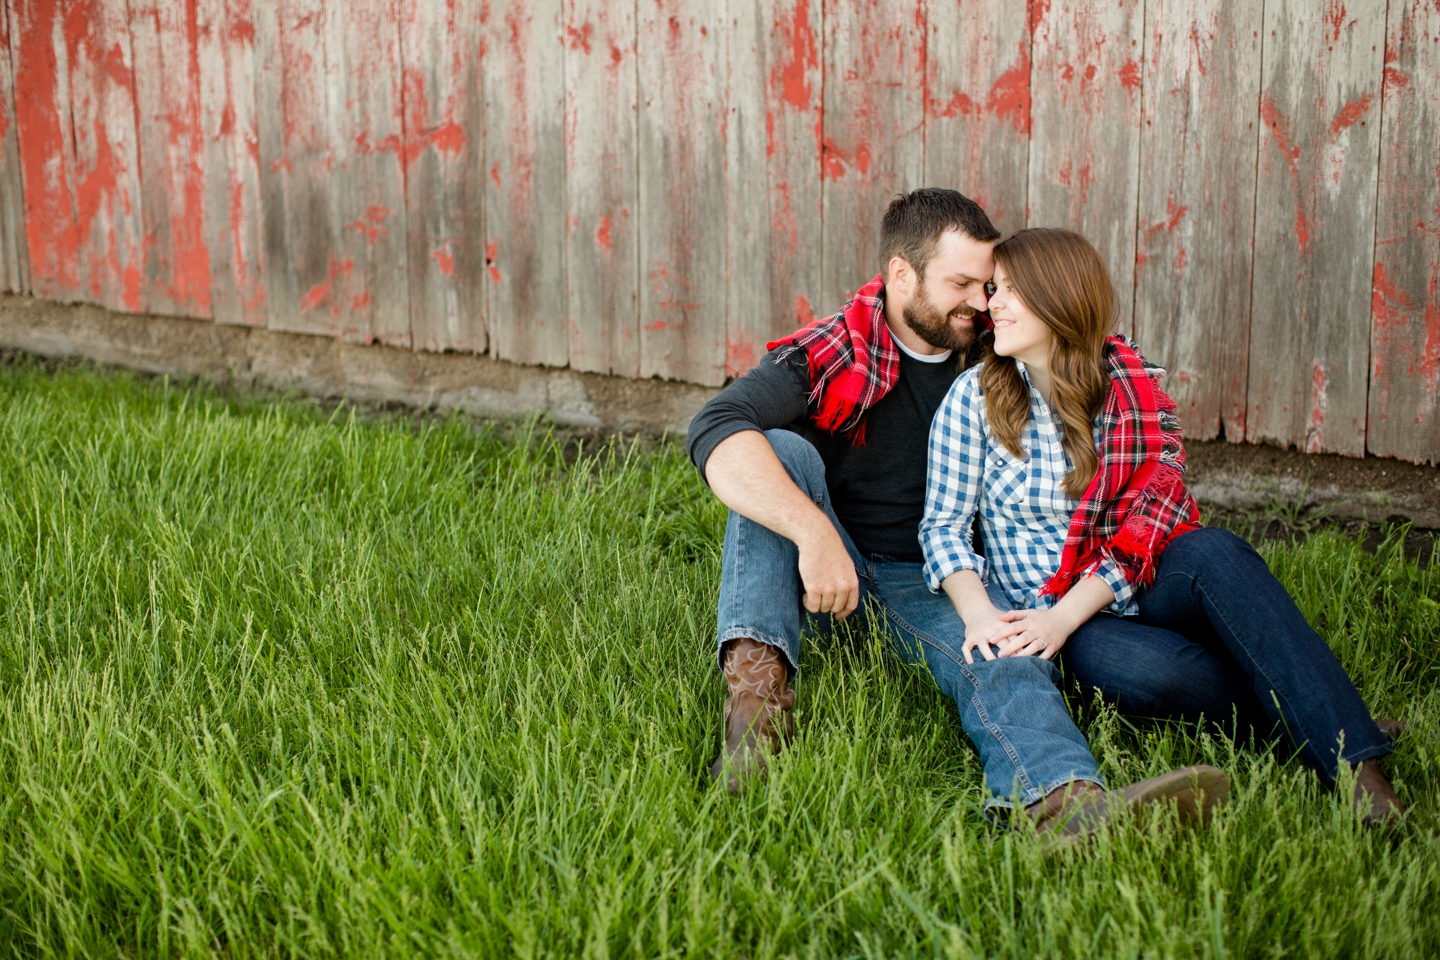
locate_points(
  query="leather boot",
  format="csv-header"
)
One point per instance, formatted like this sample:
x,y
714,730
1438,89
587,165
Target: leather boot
x,y
1392,728
757,712
1384,807
1072,812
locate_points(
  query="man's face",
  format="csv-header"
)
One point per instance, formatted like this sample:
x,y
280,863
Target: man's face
x,y
943,307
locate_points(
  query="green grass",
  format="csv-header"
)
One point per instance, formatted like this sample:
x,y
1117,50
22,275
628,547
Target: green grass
x,y
277,679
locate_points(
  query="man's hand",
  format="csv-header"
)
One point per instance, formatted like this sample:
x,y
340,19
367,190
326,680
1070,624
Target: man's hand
x,y
828,573
749,479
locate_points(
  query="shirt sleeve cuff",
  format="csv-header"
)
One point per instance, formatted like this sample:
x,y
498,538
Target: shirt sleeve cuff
x,y
950,557
1114,576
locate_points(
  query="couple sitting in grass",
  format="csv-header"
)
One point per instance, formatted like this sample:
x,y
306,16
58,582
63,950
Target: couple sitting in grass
x,y
856,457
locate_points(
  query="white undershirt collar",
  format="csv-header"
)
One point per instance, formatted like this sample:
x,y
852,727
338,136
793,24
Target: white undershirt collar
x,y
923,358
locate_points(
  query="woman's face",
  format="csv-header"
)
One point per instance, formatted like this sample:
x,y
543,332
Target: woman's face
x,y
1018,332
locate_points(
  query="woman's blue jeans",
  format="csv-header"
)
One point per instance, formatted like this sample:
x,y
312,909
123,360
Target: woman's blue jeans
x,y
1012,709
1218,637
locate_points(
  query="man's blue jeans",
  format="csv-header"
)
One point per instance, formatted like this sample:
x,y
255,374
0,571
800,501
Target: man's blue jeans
x,y
1012,709
1218,636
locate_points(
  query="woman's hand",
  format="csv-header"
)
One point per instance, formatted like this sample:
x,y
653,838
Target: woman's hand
x,y
1040,633
990,628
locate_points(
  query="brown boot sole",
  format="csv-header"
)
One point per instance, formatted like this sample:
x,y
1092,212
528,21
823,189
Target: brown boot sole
x,y
1197,792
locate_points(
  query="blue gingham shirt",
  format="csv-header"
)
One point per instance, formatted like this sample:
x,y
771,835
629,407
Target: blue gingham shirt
x,y
1024,512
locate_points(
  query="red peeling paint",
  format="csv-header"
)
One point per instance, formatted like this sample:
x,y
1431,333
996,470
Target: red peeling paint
x,y
444,259
372,225
1334,19
359,302
1038,11
1319,401
959,103
832,161
1349,115
495,173
602,235
1130,76
1009,97
792,75
580,39
739,357
492,255
804,313
314,297
1270,114
46,163
1303,226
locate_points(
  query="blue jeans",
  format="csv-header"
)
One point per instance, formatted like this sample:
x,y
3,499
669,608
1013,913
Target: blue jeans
x,y
1012,709
1218,637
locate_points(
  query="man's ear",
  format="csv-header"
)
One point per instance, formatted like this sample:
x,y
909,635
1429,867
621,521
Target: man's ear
x,y
900,277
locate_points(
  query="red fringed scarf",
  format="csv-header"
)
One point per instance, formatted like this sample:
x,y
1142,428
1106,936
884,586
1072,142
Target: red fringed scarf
x,y
1137,502
853,361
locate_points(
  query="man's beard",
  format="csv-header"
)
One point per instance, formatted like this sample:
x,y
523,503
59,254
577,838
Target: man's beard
x,y
936,328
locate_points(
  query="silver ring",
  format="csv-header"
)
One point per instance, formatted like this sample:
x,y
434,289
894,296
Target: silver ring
x,y
1044,644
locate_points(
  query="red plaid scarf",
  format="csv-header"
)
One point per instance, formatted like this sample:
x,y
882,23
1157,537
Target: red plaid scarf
x,y
853,361
1137,502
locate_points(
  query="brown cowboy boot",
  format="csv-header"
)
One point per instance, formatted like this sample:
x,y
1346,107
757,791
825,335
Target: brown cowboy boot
x,y
1385,808
1392,728
1070,813
757,712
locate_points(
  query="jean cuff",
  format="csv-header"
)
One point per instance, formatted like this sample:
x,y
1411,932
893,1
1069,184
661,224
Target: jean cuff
x,y
1027,797
737,633
1360,756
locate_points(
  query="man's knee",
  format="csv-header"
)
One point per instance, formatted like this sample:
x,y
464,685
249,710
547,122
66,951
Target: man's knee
x,y
801,460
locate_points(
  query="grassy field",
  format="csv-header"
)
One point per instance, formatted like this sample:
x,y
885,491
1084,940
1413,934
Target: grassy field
x,y
281,679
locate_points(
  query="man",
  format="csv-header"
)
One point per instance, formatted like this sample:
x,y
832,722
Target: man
x,y
824,516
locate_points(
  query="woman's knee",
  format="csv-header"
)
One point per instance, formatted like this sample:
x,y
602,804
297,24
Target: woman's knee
x,y
800,459
1213,547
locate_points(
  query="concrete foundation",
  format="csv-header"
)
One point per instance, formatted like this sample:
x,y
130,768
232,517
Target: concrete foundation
x,y
1237,477
327,367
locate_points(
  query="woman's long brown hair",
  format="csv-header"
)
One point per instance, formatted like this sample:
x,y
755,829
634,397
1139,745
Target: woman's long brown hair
x,y
1061,279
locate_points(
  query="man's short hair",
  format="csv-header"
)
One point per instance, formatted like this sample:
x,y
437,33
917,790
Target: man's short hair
x,y
914,221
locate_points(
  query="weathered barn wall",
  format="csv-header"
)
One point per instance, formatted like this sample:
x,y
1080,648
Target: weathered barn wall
x,y
655,188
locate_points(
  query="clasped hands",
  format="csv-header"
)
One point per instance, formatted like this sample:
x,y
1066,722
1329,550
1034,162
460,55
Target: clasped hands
x,y
1018,633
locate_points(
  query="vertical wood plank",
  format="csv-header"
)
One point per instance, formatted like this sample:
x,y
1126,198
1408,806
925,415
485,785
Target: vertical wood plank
x,y
874,133
107,170
774,236
164,37
367,176
299,222
444,176
1198,143
1405,293
1319,158
524,69
681,50
229,123
1085,151
14,257
602,189
47,157
977,104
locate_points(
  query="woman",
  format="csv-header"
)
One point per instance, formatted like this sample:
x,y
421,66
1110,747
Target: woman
x,y
1070,453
